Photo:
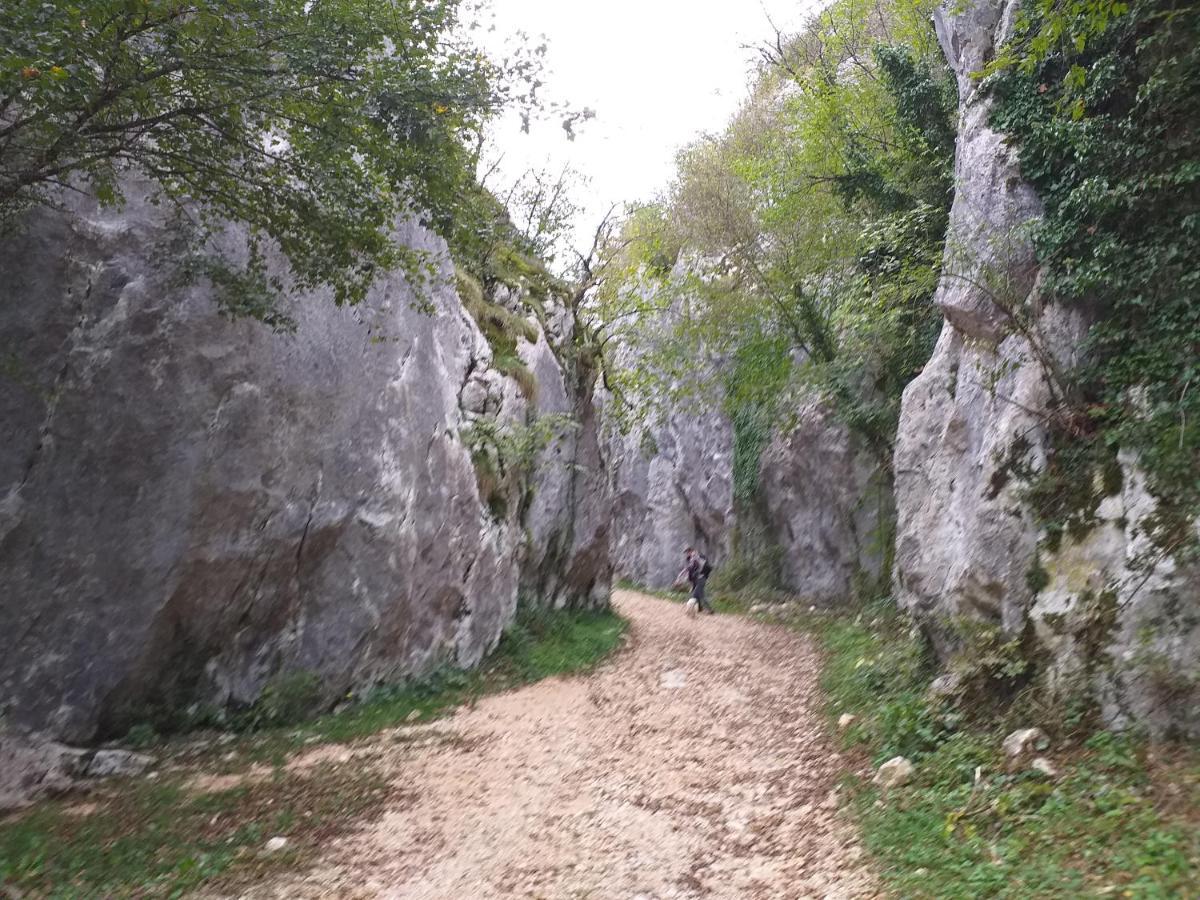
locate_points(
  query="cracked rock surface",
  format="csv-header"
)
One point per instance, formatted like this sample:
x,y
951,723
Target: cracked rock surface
x,y
968,543
192,506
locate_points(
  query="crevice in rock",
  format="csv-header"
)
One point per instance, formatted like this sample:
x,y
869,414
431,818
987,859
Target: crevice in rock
x,y
54,395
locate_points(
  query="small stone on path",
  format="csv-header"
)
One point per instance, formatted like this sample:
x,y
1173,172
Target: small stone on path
x,y
109,763
674,679
1043,765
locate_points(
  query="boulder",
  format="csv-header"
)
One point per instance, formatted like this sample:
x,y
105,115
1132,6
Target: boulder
x,y
1025,741
112,763
31,765
1044,766
896,772
945,686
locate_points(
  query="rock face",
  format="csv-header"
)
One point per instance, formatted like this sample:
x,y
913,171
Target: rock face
x,y
821,502
191,507
567,554
967,544
672,487
828,506
963,542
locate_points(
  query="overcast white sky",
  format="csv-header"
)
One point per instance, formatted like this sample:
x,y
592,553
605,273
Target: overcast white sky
x,y
657,72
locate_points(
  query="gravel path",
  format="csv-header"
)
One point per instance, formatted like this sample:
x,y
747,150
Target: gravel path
x,y
691,765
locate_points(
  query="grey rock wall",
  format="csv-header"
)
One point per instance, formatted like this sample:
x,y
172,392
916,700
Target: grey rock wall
x,y
567,559
823,509
828,505
671,489
192,506
967,543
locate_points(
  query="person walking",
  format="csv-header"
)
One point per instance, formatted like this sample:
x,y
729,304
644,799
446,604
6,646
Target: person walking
x,y
697,569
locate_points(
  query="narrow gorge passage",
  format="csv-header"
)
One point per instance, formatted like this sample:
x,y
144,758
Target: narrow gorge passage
x,y
693,764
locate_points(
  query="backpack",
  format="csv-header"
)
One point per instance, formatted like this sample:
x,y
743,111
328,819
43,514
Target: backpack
x,y
706,568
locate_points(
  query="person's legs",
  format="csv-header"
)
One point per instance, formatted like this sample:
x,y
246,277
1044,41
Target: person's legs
x,y
698,593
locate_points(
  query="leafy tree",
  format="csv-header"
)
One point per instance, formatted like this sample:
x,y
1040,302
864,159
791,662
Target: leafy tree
x,y
313,122
812,228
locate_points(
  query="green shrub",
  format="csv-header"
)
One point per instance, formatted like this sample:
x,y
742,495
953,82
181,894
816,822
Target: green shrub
x,y
287,699
141,736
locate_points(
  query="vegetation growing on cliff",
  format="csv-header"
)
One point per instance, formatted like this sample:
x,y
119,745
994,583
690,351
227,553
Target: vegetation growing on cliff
x,y
810,232
505,453
313,125
797,251
1106,116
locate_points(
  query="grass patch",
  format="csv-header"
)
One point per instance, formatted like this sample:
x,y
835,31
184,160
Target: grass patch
x,y
493,487
154,838
1121,820
543,643
522,271
501,327
514,368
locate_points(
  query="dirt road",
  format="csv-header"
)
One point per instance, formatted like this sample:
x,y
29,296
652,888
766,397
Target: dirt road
x,y
691,765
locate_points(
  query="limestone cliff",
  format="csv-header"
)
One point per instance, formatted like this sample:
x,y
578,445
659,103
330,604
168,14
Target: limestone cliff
x,y
191,506
828,505
1109,613
822,509
672,488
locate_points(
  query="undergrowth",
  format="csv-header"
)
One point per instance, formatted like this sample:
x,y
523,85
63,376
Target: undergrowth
x,y
158,838
1120,820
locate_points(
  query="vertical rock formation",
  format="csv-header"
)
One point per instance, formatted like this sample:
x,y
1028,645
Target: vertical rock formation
x,y
191,506
672,487
828,505
568,522
1112,615
820,520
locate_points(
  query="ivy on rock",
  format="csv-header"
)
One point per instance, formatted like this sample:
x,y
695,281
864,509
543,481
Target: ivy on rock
x,y
1108,130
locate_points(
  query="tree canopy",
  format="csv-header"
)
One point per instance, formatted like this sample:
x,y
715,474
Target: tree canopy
x,y
811,229
316,123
